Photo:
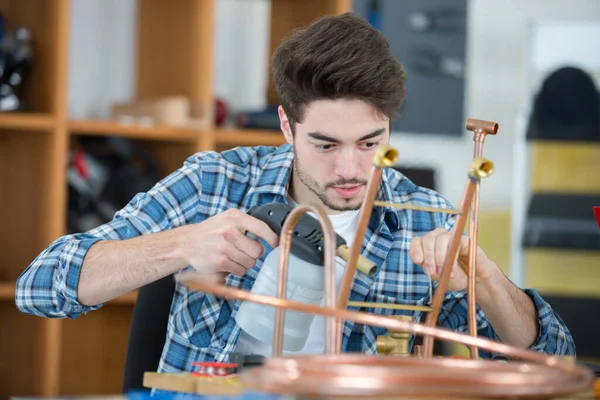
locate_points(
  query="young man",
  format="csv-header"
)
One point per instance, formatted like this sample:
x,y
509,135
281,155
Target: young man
x,y
339,87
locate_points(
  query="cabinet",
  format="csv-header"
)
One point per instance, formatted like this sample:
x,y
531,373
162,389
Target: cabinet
x,y
50,357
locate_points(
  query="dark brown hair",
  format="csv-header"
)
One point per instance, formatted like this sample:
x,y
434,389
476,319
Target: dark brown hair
x,y
337,57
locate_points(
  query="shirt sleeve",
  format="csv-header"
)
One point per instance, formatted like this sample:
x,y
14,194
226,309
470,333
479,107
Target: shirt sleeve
x,y
553,338
48,286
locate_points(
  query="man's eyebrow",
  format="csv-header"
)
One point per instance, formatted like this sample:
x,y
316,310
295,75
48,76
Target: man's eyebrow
x,y
326,138
372,134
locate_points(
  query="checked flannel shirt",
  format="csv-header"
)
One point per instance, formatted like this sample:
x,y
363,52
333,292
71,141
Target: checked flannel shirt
x,y
201,327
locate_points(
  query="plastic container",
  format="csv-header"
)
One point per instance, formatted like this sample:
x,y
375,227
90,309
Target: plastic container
x,y
306,284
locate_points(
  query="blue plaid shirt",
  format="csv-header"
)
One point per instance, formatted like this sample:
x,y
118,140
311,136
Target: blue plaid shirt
x,y
201,326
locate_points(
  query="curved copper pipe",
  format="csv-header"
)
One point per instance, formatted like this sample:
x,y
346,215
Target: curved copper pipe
x,y
480,168
385,156
329,243
200,282
480,129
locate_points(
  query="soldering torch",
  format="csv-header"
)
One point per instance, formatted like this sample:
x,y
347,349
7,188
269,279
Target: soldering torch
x,y
307,241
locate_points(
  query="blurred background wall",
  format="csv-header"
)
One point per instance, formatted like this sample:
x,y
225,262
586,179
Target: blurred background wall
x,y
496,73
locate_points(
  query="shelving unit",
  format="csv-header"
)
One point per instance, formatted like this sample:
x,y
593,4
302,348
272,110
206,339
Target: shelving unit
x,y
49,357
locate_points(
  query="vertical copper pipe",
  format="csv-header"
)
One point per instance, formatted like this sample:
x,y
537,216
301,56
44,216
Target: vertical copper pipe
x,y
480,168
385,156
480,129
329,243
472,271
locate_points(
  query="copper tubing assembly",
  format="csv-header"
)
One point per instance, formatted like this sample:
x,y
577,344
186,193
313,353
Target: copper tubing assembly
x,y
367,376
329,265
355,375
480,130
385,156
480,168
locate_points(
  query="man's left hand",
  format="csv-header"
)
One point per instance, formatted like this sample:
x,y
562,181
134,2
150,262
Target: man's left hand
x,y
430,251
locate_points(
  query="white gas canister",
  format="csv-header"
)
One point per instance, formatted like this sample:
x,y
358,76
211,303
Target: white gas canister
x,y
306,284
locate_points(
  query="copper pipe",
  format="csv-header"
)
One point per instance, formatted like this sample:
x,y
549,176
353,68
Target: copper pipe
x,y
367,376
352,376
385,156
480,168
415,207
390,306
480,130
472,267
329,265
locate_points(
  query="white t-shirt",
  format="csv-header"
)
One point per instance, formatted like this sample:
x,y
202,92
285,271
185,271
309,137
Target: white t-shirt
x,y
345,225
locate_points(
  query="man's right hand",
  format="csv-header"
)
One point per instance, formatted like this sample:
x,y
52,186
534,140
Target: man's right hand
x,y
219,244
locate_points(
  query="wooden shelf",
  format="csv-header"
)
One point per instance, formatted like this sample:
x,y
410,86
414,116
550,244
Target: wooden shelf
x,y
7,291
248,137
44,357
26,121
113,128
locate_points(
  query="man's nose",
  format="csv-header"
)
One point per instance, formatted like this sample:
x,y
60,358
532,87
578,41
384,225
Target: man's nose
x,y
347,164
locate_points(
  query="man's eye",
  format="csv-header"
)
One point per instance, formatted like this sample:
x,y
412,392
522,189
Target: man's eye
x,y
370,145
323,147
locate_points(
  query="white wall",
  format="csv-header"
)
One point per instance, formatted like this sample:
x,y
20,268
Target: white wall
x,y
497,33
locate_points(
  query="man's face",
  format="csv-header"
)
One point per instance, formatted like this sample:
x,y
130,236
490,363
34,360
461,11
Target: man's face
x,y
334,147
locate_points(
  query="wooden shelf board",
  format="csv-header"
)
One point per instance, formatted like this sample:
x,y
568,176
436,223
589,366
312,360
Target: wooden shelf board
x,y
248,137
7,291
113,128
27,121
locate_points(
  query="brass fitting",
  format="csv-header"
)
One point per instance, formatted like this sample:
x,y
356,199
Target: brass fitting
x,y
397,342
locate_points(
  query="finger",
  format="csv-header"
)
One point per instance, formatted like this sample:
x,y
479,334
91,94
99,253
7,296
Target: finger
x,y
239,257
226,264
442,245
248,223
428,245
464,245
416,251
249,245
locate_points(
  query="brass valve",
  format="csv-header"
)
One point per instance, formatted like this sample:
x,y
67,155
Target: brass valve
x,y
397,342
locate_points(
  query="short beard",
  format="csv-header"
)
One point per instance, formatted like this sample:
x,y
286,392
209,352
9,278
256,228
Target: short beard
x,y
314,187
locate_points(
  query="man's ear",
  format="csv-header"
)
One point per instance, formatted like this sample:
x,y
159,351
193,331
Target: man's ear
x,y
284,123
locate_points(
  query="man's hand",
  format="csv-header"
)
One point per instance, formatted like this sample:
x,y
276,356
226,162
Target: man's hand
x,y
219,244
430,252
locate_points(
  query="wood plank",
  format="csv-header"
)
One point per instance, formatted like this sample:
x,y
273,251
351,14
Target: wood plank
x,y
27,121
93,351
22,172
113,128
248,137
7,291
175,49
41,17
187,383
21,372
287,15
